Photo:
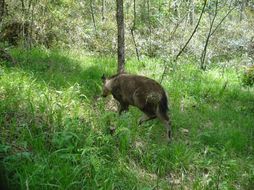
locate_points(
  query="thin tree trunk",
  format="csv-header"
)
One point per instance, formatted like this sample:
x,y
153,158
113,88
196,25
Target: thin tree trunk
x,y
177,26
134,14
29,5
120,29
133,30
31,26
203,55
211,32
191,14
2,7
103,10
135,44
26,24
194,31
175,6
22,5
188,41
23,22
242,10
150,27
92,14
218,25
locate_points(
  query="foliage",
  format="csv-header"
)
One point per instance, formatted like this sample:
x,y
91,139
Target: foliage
x,y
161,27
56,130
248,76
55,127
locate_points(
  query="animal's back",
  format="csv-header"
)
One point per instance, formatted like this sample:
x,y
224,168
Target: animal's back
x,y
142,92
132,82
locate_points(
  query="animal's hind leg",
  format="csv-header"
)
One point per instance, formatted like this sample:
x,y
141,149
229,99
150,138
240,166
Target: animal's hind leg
x,y
164,118
146,117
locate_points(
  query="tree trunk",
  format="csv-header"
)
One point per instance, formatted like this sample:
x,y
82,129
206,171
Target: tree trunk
x,y
31,25
103,10
133,28
242,10
211,32
188,41
175,7
134,14
150,29
191,13
92,14
194,31
25,10
120,29
1,10
203,54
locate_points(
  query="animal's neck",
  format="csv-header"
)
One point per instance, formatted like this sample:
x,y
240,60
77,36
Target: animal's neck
x,y
109,84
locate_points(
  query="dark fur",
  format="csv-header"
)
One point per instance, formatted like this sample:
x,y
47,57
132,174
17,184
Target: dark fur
x,y
164,103
141,92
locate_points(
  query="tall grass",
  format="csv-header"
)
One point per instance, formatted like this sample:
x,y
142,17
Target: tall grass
x,y
55,128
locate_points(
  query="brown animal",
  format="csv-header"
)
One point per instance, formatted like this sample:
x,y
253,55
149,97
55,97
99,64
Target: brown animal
x,y
141,92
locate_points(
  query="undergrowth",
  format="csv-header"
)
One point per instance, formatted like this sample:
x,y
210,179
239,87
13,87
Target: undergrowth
x,y
55,127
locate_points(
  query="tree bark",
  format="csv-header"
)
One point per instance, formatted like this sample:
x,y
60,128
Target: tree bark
x,y
103,10
175,7
150,28
242,10
121,43
191,13
134,14
4,55
133,28
31,24
92,14
2,7
203,55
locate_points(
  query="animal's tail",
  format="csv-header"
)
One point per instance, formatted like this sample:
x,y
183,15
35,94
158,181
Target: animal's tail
x,y
163,104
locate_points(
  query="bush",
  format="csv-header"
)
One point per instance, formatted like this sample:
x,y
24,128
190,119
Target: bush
x,y
248,76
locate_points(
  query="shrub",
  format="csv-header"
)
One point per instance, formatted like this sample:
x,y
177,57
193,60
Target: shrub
x,y
248,76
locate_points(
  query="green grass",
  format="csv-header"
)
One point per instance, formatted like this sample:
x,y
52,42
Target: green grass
x,y
55,128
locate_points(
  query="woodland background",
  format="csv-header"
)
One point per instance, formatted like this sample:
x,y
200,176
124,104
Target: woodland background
x,y
55,129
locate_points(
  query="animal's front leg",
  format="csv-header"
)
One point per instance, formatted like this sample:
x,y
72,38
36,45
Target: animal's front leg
x,y
123,107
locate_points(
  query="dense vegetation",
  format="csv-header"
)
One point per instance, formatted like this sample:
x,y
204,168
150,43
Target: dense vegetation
x,y
56,130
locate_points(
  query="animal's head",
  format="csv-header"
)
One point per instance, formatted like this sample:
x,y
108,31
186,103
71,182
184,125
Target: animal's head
x,y
106,86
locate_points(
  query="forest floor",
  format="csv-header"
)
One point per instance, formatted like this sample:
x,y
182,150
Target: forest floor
x,y
55,127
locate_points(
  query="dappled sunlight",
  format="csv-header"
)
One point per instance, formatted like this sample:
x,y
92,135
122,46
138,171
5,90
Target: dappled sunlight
x,y
54,108
74,116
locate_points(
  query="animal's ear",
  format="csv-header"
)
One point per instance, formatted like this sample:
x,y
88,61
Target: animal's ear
x,y
103,78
